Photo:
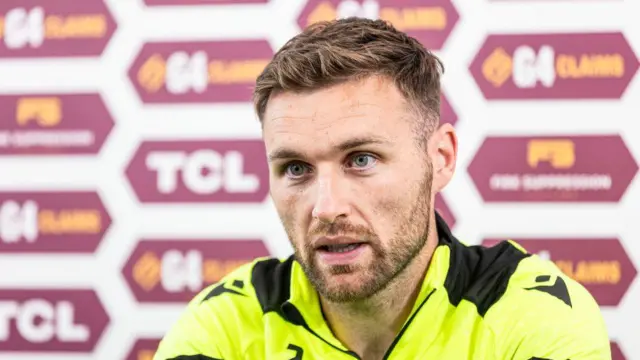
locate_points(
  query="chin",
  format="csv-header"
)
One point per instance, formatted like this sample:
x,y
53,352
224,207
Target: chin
x,y
346,287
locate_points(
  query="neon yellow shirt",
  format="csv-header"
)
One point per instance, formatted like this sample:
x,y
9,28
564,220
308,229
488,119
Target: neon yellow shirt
x,y
497,303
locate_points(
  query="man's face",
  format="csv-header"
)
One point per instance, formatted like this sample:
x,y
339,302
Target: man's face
x,y
351,184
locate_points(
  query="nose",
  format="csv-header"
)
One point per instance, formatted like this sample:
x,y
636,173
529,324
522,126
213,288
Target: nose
x,y
331,202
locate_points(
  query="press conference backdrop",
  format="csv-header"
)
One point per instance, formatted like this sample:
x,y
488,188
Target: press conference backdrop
x,y
133,175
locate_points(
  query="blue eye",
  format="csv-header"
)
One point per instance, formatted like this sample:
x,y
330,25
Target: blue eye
x,y
362,161
295,169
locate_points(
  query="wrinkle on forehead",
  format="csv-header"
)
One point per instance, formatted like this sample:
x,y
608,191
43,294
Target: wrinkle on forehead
x,y
347,96
371,106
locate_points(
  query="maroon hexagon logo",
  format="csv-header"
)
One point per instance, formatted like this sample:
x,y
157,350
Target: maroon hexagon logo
x,y
590,168
48,320
199,71
166,271
52,222
554,66
429,21
205,171
616,352
61,28
447,115
201,2
601,265
48,124
144,349
443,209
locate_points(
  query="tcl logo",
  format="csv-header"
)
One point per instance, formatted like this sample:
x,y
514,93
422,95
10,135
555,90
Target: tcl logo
x,y
200,171
50,320
39,321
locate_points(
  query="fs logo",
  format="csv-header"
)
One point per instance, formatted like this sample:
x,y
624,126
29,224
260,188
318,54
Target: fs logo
x,y
51,222
61,28
554,66
200,171
559,153
45,111
429,21
53,124
177,270
195,72
50,320
553,169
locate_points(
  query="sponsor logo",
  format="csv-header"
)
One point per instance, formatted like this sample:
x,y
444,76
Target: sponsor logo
x,y
602,266
53,124
429,21
443,209
144,349
163,271
51,222
61,28
554,66
200,171
50,320
553,169
616,352
202,2
199,72
447,115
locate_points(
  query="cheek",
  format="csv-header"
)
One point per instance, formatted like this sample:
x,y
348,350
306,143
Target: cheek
x,y
391,211
385,216
290,211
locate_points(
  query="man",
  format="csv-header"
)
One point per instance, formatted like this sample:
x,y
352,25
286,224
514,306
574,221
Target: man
x,y
350,117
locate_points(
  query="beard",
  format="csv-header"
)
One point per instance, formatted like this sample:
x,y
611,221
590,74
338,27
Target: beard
x,y
389,260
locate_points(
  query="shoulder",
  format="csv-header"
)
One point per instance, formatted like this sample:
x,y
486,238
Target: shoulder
x,y
538,286
216,321
246,292
541,307
506,274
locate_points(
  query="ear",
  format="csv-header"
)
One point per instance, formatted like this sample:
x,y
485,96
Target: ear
x,y
444,153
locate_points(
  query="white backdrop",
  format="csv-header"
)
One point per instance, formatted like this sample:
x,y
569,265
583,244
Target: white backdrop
x,y
64,245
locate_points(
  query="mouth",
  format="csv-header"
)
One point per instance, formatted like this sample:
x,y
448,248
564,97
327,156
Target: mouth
x,y
340,248
338,244
340,251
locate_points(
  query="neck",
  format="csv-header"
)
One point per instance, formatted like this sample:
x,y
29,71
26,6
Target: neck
x,y
369,327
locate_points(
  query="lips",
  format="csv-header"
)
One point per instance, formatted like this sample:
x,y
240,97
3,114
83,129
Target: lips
x,y
338,244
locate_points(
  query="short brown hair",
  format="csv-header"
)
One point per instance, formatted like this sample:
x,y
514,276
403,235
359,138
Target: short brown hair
x,y
330,52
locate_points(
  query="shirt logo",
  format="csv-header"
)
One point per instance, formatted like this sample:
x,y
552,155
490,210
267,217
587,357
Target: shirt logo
x,y
558,289
298,350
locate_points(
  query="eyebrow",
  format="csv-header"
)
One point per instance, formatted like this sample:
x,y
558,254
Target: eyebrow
x,y
285,153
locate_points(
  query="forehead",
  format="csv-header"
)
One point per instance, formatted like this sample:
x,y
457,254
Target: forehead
x,y
369,108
